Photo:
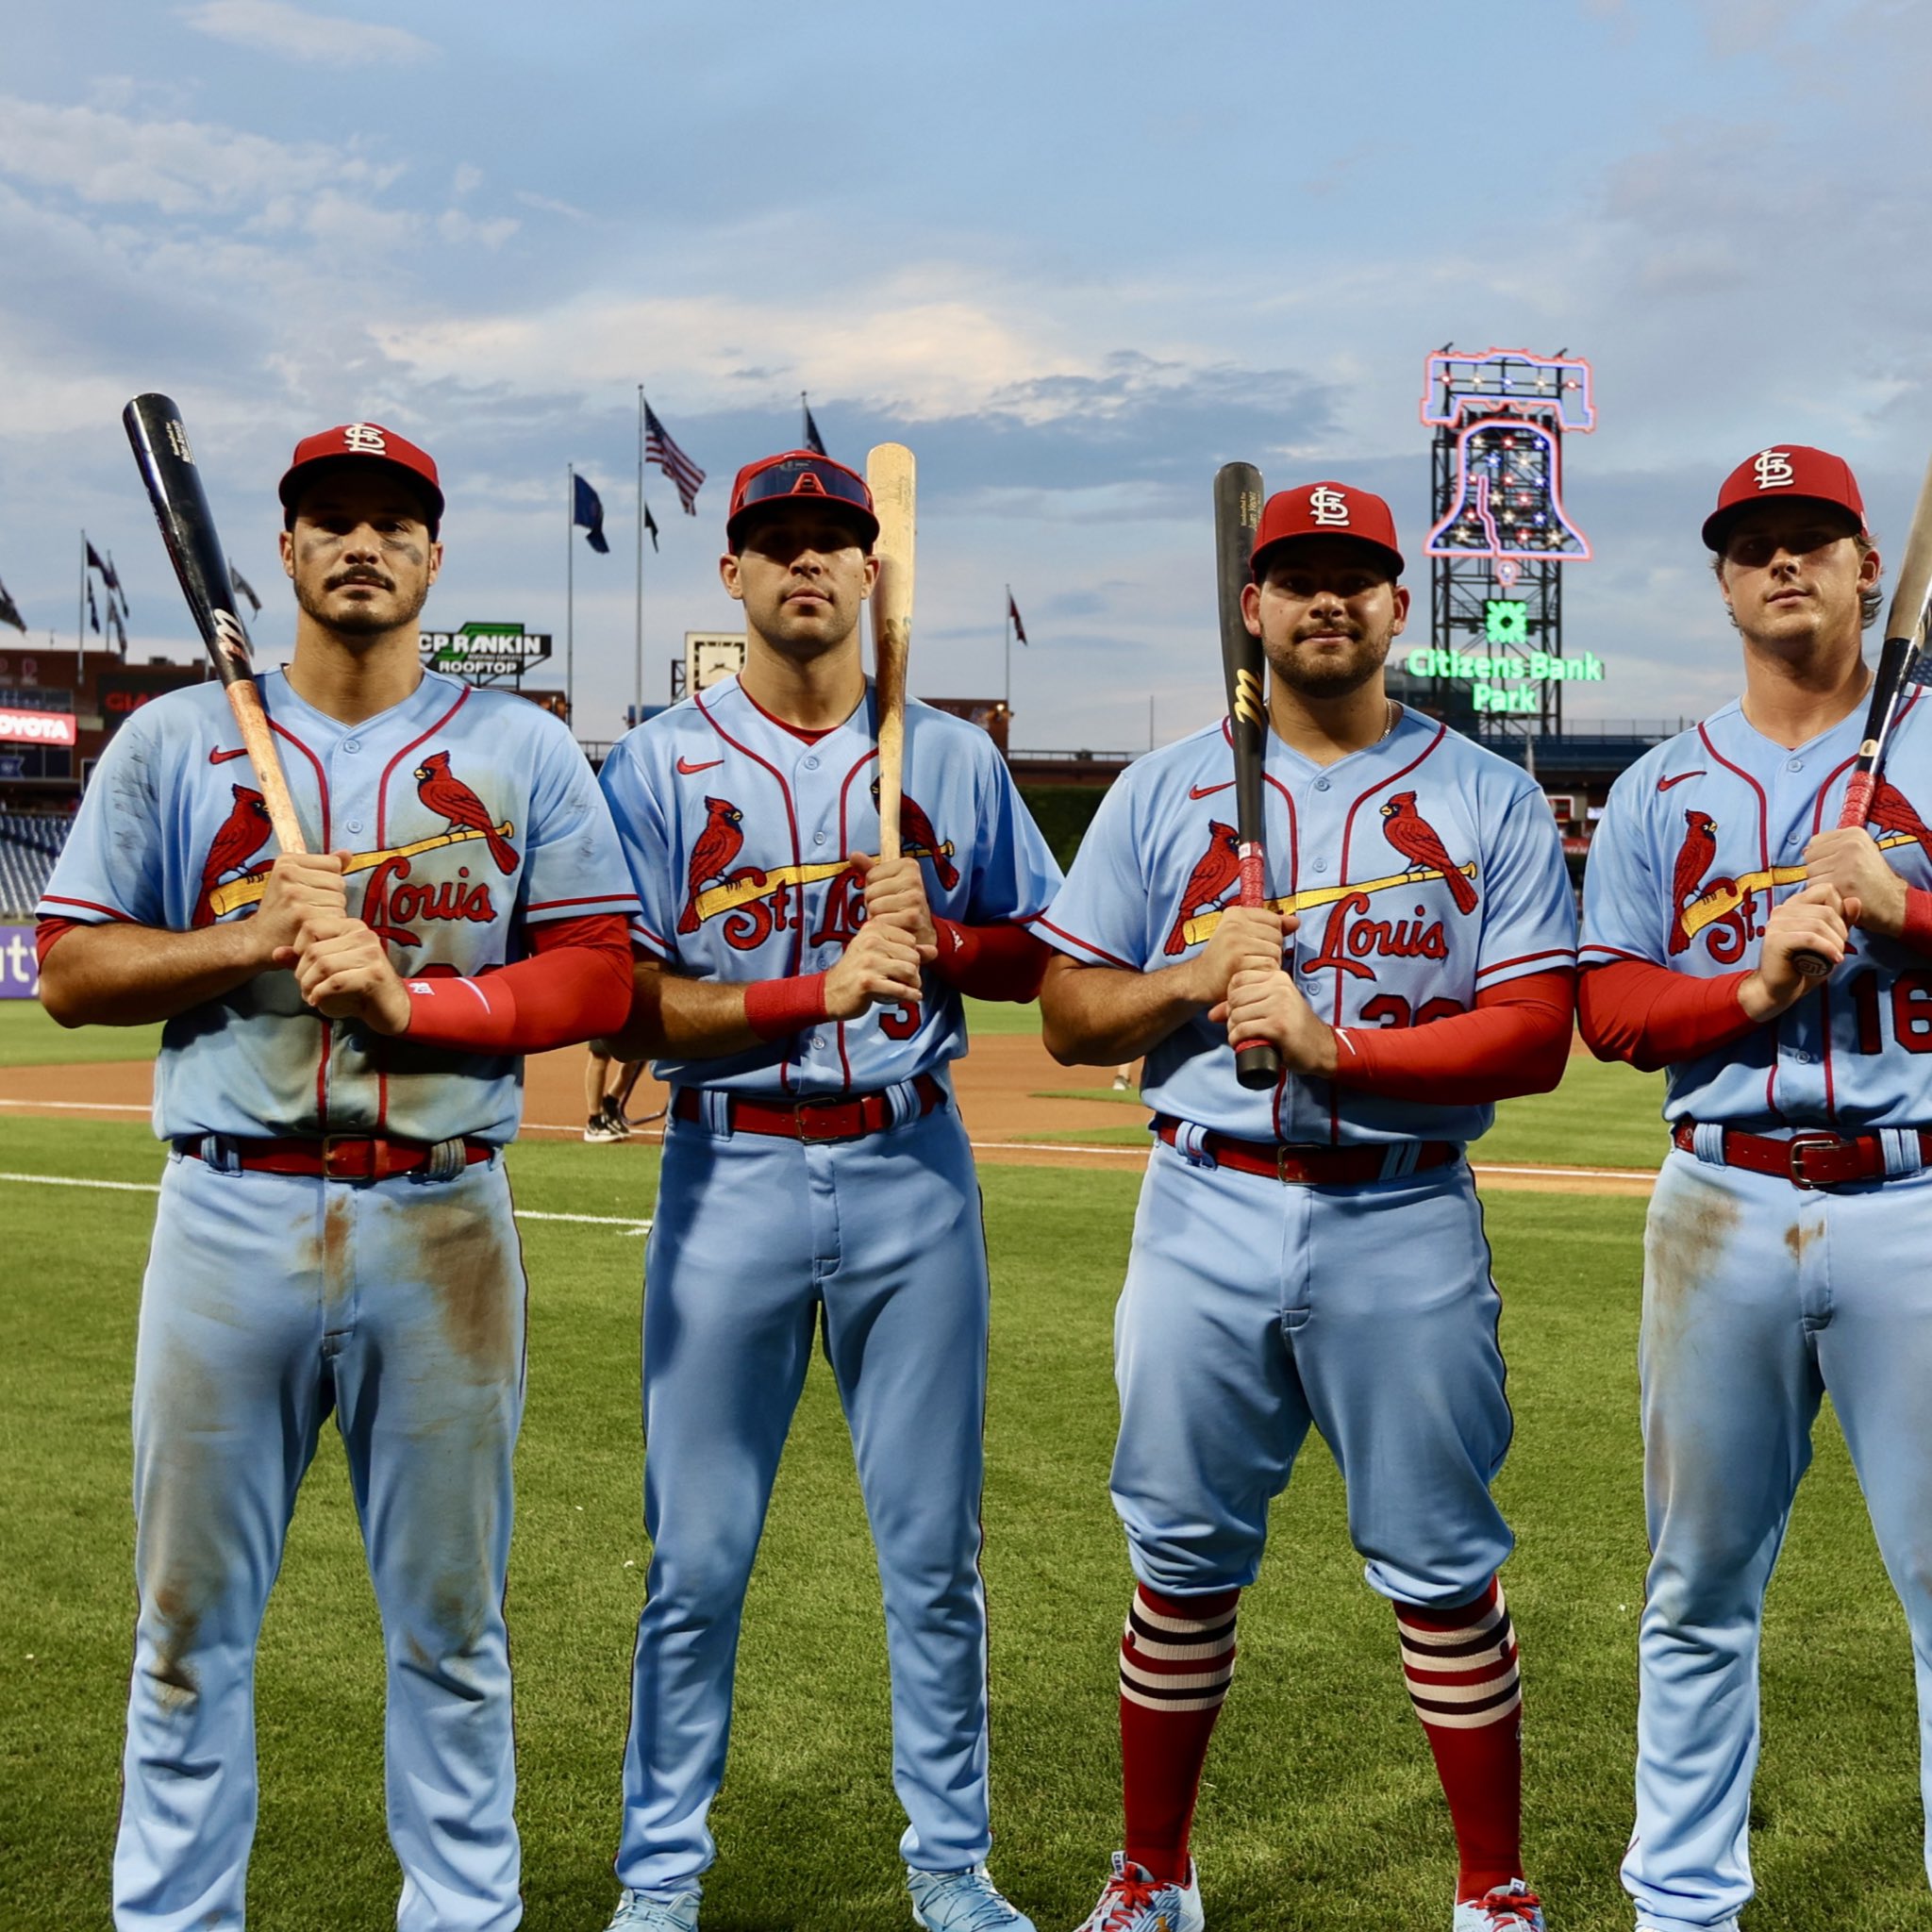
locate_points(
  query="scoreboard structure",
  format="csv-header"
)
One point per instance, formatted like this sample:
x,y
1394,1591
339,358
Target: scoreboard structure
x,y
1500,534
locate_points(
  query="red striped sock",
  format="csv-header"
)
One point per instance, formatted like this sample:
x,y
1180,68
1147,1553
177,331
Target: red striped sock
x,y
1176,1659
1461,1665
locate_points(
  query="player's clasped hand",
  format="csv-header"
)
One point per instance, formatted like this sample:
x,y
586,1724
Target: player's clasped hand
x,y
343,972
1848,860
879,967
1264,1004
895,890
1813,920
302,887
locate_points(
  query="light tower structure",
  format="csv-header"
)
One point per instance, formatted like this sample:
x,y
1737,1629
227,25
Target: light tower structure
x,y
1500,536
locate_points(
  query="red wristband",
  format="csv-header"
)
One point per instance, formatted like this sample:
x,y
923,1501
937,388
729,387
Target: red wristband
x,y
1916,930
773,1007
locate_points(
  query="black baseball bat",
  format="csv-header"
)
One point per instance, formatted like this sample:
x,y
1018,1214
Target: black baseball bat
x,y
1236,515
168,468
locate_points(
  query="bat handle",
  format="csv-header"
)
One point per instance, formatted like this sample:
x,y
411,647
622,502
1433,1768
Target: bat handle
x,y
1256,1065
1860,789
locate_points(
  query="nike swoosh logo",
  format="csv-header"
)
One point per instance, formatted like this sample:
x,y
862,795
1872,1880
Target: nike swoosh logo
x,y
1665,784
691,770
1208,790
222,758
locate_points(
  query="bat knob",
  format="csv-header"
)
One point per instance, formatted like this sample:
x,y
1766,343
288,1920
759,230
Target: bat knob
x,y
1256,1065
1812,965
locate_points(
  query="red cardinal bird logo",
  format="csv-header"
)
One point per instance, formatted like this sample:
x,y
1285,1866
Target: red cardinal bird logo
x,y
917,829
1218,869
240,836
443,792
717,846
1891,812
1414,837
1694,859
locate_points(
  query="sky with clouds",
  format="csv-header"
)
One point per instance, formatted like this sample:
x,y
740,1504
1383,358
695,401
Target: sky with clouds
x,y
1077,256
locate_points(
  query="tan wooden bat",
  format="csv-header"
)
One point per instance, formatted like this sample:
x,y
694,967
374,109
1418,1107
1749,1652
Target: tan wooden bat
x,y
893,477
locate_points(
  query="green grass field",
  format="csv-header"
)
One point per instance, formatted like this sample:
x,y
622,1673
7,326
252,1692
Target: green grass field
x,y
1319,1811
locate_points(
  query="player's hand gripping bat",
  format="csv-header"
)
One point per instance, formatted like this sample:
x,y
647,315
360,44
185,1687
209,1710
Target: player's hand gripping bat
x,y
1237,514
187,528
1904,639
892,477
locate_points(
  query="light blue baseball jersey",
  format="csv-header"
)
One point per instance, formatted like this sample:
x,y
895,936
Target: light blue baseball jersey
x,y
471,815
1423,870
737,829
1701,838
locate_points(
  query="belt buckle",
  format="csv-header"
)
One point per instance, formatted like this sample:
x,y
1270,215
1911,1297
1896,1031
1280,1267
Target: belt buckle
x,y
331,1144
1287,1156
802,1113
1797,1144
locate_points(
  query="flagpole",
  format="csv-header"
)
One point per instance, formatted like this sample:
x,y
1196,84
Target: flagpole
x,y
80,623
1009,623
638,670
570,595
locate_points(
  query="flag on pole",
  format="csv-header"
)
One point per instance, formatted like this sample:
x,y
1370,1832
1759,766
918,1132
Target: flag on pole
x,y
651,528
243,588
9,612
685,475
1013,616
588,514
116,629
107,571
813,440
111,578
93,616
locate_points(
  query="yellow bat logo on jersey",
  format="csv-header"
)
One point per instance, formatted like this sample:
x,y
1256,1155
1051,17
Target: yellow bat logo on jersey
x,y
1202,926
1723,897
248,891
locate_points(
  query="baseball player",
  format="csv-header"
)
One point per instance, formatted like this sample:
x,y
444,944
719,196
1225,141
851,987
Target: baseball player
x,y
338,1076
1312,1255
1786,1241
802,1000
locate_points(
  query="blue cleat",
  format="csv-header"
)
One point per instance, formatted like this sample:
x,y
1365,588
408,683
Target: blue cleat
x,y
1511,1907
654,1911
1136,1901
966,1901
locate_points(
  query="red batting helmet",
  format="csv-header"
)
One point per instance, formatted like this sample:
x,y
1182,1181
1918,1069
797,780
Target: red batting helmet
x,y
362,443
1789,470
1326,509
800,474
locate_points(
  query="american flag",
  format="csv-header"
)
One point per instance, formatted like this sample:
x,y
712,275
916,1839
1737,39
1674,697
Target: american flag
x,y
685,475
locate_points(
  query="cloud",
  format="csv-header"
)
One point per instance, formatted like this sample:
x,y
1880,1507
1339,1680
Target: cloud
x,y
327,39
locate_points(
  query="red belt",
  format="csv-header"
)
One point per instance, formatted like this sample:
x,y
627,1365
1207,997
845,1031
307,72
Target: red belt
x,y
333,1156
1807,1159
1314,1166
846,1119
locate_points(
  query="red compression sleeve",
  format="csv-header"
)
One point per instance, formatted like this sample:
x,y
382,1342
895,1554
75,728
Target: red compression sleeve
x,y
48,932
1515,1042
575,986
1916,932
1652,1017
991,963
773,1007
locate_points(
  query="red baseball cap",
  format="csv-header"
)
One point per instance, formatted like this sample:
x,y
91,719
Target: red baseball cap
x,y
1326,509
800,474
363,443
1789,470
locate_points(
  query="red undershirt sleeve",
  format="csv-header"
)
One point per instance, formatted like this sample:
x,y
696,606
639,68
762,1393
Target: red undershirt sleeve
x,y
48,932
1515,1041
1916,930
575,986
1652,1017
992,962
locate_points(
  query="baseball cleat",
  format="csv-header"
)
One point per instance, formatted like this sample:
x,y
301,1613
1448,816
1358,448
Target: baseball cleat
x,y
1511,1907
653,1911
597,1128
966,1901
614,1119
1134,1900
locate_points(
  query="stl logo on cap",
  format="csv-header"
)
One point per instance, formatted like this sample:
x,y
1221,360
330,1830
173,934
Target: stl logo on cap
x,y
365,439
1329,507
1773,468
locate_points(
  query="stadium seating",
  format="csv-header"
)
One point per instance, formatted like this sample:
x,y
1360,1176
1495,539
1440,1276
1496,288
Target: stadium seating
x,y
29,843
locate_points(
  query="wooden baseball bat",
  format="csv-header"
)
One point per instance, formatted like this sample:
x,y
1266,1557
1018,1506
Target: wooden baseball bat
x,y
1237,514
893,477
1904,639
187,528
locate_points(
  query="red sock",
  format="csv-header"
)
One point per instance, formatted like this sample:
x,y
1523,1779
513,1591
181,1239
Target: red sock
x,y
1176,1658
1461,1665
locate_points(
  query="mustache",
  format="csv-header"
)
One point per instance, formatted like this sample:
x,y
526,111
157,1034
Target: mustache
x,y
373,577
1341,629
